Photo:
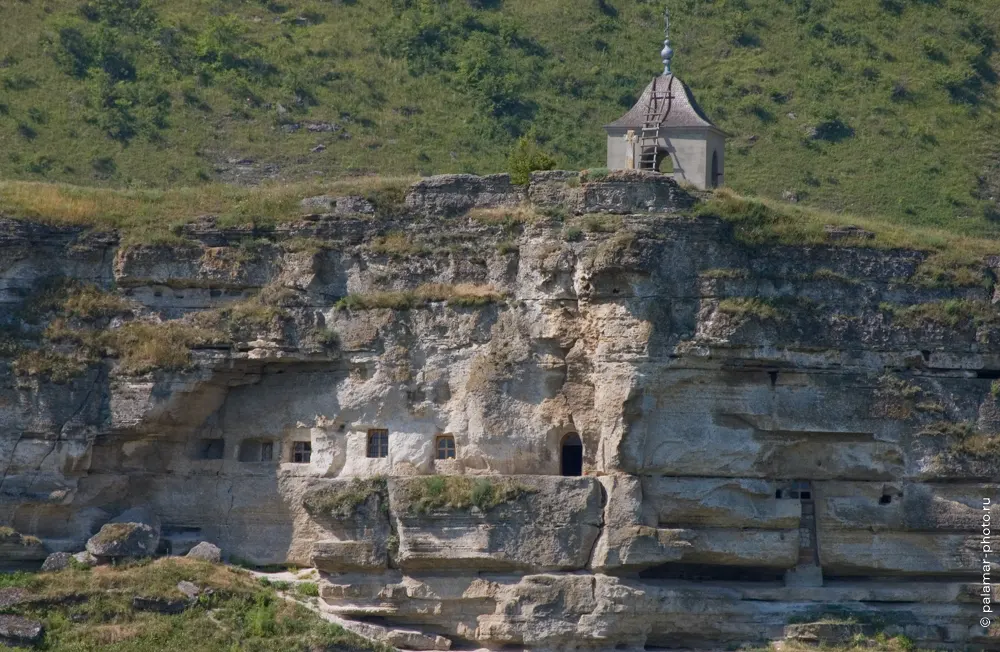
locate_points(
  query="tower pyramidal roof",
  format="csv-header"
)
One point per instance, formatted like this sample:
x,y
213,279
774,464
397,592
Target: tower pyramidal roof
x,y
684,109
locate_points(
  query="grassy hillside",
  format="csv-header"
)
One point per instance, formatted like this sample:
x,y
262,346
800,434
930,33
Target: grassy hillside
x,y
871,106
86,610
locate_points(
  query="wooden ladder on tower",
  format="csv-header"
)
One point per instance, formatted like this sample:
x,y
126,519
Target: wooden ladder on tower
x,y
657,110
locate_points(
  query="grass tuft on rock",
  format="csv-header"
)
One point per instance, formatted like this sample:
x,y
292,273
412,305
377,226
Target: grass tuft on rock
x,y
144,216
344,501
459,492
954,255
750,307
952,313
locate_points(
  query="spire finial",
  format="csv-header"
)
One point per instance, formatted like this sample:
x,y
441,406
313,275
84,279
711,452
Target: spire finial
x,y
667,53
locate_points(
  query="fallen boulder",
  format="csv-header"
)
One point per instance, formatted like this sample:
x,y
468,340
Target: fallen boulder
x,y
86,559
159,605
206,552
20,631
135,533
57,561
189,589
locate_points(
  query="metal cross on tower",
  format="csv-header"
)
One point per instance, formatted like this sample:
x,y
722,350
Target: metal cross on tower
x,y
658,106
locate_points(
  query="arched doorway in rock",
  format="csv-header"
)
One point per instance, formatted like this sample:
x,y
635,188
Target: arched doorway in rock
x,y
571,455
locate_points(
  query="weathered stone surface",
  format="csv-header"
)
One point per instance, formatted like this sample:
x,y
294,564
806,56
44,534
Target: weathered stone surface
x,y
189,589
602,612
57,561
206,551
338,205
559,189
633,191
451,194
15,547
553,527
17,630
710,502
346,556
86,558
13,595
900,553
696,409
134,533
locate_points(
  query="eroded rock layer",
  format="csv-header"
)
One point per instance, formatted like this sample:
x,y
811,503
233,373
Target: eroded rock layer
x,y
770,434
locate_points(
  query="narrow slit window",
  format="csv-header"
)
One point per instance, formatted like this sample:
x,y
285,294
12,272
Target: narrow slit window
x,y
302,452
446,447
378,443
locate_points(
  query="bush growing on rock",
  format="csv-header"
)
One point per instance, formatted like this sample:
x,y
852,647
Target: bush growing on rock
x,y
526,157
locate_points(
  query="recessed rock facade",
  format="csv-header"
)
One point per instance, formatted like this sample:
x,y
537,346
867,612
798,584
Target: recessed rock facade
x,y
745,469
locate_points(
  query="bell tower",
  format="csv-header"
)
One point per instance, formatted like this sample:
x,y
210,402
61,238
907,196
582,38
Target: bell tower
x,y
666,131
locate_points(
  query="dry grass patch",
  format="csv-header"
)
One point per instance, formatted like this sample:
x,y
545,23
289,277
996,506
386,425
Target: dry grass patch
x,y
505,217
951,313
145,346
397,244
954,259
50,365
748,307
155,216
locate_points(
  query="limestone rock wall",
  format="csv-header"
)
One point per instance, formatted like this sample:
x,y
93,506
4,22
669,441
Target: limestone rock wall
x,y
732,449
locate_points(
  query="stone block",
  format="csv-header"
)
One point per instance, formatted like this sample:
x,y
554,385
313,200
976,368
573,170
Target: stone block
x,y
134,533
453,194
552,526
206,551
633,191
348,556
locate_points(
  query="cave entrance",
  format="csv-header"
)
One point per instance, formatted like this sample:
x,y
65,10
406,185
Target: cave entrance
x,y
572,455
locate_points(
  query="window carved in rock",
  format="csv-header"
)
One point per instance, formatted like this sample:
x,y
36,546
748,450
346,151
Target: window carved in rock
x,y
302,452
378,443
445,447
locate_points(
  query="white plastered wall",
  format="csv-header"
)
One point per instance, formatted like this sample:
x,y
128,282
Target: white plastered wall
x,y
690,149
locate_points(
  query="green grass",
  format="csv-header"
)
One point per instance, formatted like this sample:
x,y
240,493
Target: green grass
x,y
459,492
869,107
951,313
344,501
954,254
240,614
747,307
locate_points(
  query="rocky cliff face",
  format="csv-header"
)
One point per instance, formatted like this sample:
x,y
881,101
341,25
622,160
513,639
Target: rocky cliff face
x,y
770,434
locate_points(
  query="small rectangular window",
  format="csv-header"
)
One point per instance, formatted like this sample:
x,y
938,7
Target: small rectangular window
x,y
445,447
266,451
378,443
302,452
